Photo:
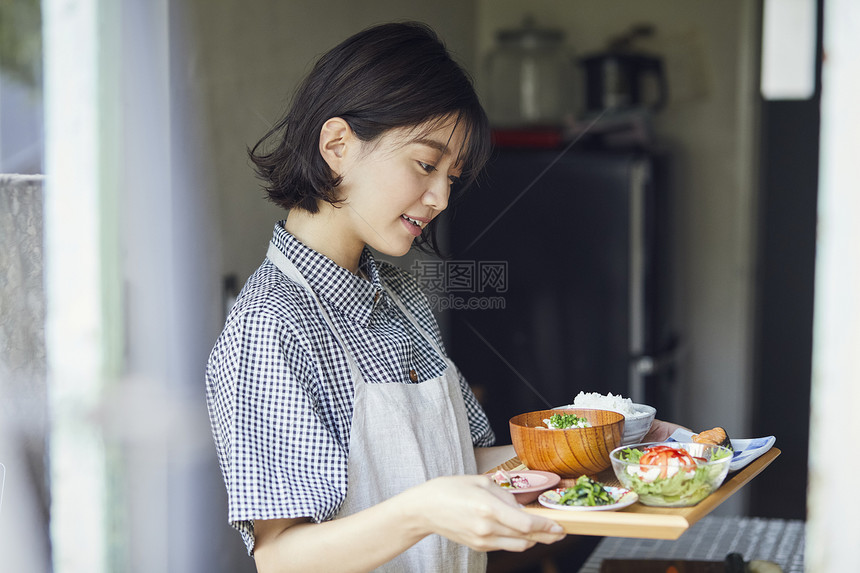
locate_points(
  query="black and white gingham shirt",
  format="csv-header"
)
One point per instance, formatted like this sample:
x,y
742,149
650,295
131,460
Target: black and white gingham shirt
x,y
279,391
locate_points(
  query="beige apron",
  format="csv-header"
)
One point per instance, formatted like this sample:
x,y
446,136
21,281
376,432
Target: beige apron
x,y
403,435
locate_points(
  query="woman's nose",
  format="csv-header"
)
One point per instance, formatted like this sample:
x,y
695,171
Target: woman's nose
x,y
437,195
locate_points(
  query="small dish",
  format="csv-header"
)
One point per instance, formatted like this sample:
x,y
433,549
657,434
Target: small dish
x,y
623,498
745,450
539,482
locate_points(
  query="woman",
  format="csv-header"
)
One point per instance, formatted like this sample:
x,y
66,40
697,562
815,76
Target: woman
x,y
347,439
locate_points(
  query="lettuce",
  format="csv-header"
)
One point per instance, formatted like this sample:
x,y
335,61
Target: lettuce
x,y
683,488
631,454
687,487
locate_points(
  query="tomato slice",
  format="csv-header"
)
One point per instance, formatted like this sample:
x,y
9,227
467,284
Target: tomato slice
x,y
662,455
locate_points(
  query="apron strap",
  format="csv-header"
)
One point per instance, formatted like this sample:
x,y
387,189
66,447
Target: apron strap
x,y
411,318
286,266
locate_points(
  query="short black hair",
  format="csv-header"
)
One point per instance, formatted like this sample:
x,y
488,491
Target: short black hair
x,y
394,75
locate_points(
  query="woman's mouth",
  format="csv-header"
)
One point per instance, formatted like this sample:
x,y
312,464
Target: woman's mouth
x,y
414,226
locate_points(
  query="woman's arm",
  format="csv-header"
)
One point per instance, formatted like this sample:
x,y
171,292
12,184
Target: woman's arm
x,y
488,458
469,510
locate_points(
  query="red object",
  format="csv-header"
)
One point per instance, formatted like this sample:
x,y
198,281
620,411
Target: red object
x,y
660,456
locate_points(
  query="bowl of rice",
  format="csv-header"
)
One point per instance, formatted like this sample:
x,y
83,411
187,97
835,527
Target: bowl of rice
x,y
637,417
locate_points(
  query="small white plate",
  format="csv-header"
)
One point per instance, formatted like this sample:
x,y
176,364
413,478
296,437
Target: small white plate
x,y
746,450
623,498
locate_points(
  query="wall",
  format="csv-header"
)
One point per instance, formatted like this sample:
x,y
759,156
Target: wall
x,y
709,52
248,60
24,496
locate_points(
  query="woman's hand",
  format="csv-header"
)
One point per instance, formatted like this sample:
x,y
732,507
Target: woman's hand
x,y
471,510
660,431
474,511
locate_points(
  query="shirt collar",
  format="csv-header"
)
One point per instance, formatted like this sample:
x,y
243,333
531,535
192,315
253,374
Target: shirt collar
x,y
356,297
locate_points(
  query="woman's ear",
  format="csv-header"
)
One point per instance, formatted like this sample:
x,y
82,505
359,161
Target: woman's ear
x,y
335,137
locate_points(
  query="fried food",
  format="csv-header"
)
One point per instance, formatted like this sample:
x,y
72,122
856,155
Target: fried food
x,y
716,436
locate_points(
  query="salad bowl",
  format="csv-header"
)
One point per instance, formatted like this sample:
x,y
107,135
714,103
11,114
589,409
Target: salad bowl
x,y
671,474
569,452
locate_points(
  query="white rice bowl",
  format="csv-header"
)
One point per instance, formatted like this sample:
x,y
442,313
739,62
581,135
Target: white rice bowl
x,y
637,417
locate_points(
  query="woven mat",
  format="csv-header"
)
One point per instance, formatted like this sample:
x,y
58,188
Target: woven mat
x,y
711,539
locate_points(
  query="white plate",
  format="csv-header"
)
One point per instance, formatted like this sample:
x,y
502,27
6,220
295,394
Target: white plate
x,y
746,450
623,498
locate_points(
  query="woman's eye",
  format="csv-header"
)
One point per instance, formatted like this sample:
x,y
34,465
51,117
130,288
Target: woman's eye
x,y
454,180
427,167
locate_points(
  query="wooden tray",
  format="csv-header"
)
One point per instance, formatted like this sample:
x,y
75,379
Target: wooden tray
x,y
640,520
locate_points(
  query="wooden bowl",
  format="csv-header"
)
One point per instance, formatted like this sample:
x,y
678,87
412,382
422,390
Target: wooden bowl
x,y
568,453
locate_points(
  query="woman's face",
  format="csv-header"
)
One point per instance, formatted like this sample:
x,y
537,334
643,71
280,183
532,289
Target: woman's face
x,y
394,186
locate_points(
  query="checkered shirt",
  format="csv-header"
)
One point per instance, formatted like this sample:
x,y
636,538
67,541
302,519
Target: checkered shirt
x,y
278,384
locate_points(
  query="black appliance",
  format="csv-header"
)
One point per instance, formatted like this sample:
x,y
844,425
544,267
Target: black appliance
x,y
618,80
583,240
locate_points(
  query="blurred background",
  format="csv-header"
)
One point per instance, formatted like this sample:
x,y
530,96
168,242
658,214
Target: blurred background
x,y
667,175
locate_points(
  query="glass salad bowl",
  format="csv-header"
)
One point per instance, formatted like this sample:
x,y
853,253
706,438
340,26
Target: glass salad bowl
x,y
671,474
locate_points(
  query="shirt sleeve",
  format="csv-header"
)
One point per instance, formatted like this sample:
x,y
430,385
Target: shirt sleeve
x,y
278,457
